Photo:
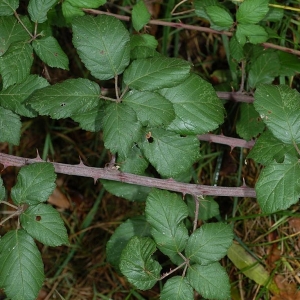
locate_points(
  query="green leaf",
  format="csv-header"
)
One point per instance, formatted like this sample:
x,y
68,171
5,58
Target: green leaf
x,y
7,7
141,52
289,64
137,265
121,128
105,52
12,31
136,226
247,264
177,288
166,149
249,123
151,108
208,208
219,16
38,9
131,192
70,12
209,243
134,163
236,49
21,266
279,108
267,148
14,97
264,69
87,3
275,14
155,73
2,190
255,34
278,185
200,6
35,183
210,281
140,15
62,100
50,52
145,40
165,212
197,106
252,11
10,127
16,63
91,120
44,223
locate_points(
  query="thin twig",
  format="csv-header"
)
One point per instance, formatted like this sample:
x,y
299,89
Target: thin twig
x,y
117,88
9,204
190,27
116,175
196,199
172,271
243,77
23,25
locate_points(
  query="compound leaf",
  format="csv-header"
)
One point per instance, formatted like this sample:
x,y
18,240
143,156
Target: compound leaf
x,y
121,128
219,16
21,266
15,64
62,100
38,9
252,11
197,106
165,149
143,40
165,212
105,52
151,108
279,108
177,288
210,281
278,185
35,183
150,74
50,52
12,31
264,69
44,223
137,264
209,243
267,148
140,15
249,124
136,226
7,7
10,127
14,97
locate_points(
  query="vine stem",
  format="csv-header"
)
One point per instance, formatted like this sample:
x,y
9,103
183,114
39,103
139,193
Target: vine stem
x,y
190,27
115,175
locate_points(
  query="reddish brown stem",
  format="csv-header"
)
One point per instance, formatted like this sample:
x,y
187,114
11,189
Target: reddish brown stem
x,y
115,175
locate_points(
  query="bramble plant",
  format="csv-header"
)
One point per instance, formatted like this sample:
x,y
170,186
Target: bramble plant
x,y
159,111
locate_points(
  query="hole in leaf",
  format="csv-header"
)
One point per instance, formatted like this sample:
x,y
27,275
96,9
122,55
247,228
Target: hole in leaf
x,y
63,104
150,140
38,218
